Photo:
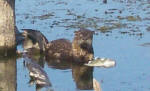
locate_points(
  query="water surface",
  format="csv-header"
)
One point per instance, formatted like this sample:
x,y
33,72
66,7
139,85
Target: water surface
x,y
122,27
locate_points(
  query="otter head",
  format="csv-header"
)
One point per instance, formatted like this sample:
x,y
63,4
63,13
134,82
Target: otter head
x,y
82,44
84,38
39,41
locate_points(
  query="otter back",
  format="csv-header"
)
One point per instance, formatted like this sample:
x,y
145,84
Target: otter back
x,y
61,49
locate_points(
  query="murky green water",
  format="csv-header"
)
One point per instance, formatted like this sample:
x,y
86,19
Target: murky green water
x,y
123,34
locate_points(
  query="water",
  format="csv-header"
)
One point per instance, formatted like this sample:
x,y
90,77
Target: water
x,y
122,28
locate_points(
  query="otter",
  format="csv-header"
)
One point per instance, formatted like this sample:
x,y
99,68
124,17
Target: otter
x,y
59,49
34,39
80,49
19,37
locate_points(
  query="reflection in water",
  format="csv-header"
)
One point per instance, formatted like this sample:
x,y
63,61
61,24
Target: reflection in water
x,y
96,85
145,44
62,54
104,1
8,74
68,55
58,64
36,73
121,20
83,76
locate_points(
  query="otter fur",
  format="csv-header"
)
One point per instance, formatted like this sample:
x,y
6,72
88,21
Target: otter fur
x,y
34,39
80,49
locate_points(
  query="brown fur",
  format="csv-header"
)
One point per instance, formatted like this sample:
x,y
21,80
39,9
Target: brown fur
x,y
60,48
80,49
38,40
83,76
82,45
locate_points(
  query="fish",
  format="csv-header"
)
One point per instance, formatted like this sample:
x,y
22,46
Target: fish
x,y
101,62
